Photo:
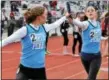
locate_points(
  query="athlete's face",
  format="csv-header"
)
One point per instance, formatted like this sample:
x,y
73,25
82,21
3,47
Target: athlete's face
x,y
43,17
91,13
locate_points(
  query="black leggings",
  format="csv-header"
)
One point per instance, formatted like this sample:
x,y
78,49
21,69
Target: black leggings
x,y
92,65
25,73
77,38
65,36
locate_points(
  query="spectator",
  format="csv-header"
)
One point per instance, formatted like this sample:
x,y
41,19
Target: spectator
x,y
4,20
64,31
11,24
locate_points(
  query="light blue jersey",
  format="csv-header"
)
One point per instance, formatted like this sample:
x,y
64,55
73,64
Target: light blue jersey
x,y
91,39
33,48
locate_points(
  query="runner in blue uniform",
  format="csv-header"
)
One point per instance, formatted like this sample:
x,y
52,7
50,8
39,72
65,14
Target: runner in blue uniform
x,y
91,37
33,40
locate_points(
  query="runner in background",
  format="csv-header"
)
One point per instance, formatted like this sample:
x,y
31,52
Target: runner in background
x,y
77,36
105,34
64,31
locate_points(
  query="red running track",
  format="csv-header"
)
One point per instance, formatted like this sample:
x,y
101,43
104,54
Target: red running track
x,y
58,66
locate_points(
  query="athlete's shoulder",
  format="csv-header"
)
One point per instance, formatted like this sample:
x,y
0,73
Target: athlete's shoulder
x,y
23,27
86,22
98,22
46,24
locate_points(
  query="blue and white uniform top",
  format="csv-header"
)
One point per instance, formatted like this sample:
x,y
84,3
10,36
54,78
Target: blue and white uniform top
x,y
33,43
91,36
33,47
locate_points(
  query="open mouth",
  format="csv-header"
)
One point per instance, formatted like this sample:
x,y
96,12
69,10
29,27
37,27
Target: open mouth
x,y
90,14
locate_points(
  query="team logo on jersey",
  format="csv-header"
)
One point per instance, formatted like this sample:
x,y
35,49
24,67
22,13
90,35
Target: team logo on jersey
x,y
95,35
38,41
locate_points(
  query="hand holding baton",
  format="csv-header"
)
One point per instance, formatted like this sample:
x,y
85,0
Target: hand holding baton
x,y
68,9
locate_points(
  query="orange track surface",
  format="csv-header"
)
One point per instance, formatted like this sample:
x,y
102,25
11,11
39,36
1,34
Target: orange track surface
x,y
58,66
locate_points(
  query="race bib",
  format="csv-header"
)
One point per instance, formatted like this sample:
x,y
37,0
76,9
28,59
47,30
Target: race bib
x,y
95,35
63,30
5,22
75,36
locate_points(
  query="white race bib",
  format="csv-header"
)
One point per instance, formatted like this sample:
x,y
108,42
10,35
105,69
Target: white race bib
x,y
75,36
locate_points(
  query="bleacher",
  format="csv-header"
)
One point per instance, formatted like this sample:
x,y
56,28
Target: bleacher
x,y
76,6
